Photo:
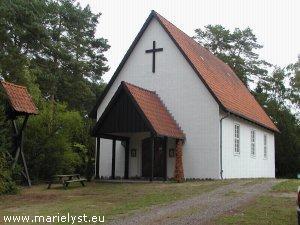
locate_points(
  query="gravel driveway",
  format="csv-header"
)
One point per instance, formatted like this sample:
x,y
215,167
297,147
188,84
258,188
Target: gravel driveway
x,y
202,208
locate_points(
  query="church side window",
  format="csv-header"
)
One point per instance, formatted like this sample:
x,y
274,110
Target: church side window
x,y
265,146
252,142
236,139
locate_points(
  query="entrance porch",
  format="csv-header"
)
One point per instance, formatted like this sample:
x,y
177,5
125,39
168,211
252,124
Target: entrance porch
x,y
136,156
136,137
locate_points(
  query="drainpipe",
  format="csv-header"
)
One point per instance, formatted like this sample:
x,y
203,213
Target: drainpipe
x,y
221,145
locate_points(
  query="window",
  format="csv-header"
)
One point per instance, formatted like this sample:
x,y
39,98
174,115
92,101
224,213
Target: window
x,y
253,142
265,146
236,139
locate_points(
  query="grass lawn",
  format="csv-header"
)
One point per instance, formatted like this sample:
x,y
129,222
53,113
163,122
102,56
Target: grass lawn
x,y
108,199
275,208
287,186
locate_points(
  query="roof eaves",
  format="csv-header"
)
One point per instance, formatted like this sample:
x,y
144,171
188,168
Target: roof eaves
x,y
275,129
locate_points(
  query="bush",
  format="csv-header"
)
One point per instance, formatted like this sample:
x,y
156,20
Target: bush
x,y
55,142
7,185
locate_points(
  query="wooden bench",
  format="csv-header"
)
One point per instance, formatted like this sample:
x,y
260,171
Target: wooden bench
x,y
81,180
65,180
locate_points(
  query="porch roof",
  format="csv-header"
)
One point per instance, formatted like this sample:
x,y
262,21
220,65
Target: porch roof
x,y
141,110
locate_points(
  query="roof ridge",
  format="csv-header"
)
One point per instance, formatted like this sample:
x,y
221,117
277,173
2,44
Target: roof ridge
x,y
207,51
191,38
135,86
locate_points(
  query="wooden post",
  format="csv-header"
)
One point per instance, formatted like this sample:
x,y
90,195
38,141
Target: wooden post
x,y
126,171
19,147
166,158
19,138
24,162
152,158
24,122
17,144
97,176
113,162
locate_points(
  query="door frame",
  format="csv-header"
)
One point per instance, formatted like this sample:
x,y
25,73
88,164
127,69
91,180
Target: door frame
x,y
151,153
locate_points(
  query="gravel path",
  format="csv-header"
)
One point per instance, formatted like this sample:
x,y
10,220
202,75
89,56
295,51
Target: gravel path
x,y
202,208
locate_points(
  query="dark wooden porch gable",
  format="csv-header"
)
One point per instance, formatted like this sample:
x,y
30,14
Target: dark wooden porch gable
x,y
122,116
135,109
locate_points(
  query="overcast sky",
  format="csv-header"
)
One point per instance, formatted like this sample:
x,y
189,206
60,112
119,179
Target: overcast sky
x,y
276,23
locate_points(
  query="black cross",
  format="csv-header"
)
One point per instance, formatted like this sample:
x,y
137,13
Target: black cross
x,y
153,50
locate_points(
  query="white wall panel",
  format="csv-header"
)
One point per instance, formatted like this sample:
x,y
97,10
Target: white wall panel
x,y
244,165
183,93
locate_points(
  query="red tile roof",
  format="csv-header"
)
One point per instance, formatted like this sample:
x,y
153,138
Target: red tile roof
x,y
155,111
220,79
19,98
227,89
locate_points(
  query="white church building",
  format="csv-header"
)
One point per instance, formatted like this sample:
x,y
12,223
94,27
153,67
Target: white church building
x,y
172,108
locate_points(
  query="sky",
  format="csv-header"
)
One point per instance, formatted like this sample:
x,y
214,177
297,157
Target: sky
x,y
276,23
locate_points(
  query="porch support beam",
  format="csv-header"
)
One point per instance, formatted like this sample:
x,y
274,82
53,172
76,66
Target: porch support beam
x,y
166,158
113,162
152,157
97,176
113,137
126,171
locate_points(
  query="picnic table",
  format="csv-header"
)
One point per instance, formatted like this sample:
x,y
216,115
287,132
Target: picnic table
x,y
66,179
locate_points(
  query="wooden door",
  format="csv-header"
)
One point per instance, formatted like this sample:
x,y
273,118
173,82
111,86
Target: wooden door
x,y
159,157
159,163
146,157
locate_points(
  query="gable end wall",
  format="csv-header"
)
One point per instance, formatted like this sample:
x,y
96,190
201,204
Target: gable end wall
x,y
183,93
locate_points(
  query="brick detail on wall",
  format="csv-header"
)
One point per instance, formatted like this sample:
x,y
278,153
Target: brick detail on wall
x,y
178,174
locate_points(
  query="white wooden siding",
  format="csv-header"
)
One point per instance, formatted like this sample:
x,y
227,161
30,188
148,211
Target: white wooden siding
x,y
244,165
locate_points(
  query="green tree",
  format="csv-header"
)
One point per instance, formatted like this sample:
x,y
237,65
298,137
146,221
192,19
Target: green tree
x,y
295,82
237,49
55,41
276,97
21,34
72,58
50,46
